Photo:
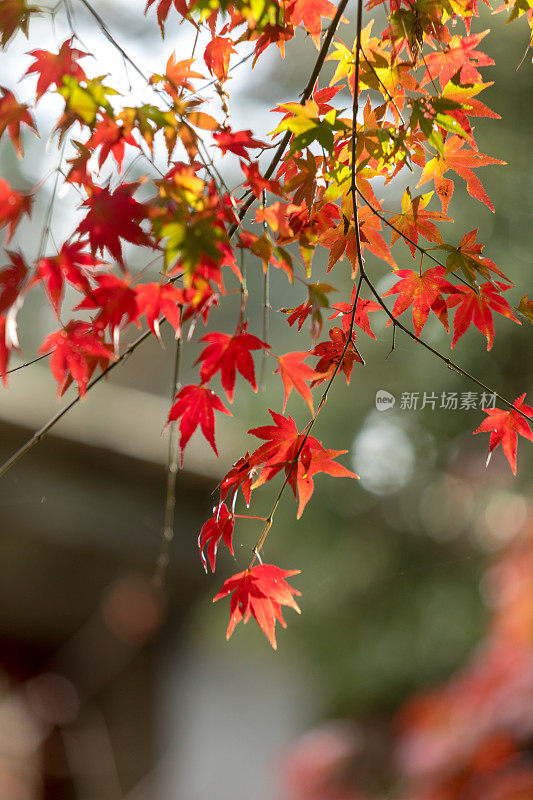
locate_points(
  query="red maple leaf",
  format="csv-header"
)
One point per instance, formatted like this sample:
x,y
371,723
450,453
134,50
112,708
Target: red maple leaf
x,y
462,160
458,56
193,406
424,292
504,427
476,307
14,16
237,142
73,348
13,205
313,306
113,216
257,183
217,56
51,67
294,374
70,265
156,299
330,353
240,476
78,173
285,448
364,307
270,34
259,592
341,239
12,115
298,314
116,300
226,354
164,7
199,299
12,280
112,138
278,218
218,527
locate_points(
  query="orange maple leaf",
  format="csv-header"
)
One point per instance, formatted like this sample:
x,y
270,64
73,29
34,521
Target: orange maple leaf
x,y
461,159
424,293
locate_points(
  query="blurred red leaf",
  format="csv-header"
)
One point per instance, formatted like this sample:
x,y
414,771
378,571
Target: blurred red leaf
x,y
51,67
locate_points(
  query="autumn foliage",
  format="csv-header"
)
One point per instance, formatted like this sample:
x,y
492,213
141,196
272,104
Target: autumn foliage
x,y
414,92
466,739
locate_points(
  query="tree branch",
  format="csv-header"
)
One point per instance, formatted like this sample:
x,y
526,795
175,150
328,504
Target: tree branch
x,y
449,363
355,109
41,433
172,472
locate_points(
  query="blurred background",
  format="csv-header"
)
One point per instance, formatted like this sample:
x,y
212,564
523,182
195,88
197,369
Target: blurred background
x,y
410,672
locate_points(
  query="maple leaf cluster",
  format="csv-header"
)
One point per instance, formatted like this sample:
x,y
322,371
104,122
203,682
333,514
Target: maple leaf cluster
x,y
416,85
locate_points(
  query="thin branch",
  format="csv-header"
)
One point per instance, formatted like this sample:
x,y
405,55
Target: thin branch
x,y
172,471
244,288
231,69
449,363
266,303
41,433
355,108
423,250
387,92
50,210
112,40
28,363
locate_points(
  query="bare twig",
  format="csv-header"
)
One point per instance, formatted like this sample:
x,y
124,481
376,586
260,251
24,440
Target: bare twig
x,y
28,363
172,471
266,302
111,39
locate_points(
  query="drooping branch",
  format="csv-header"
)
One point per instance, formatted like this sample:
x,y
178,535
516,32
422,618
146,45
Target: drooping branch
x,y
172,472
353,168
